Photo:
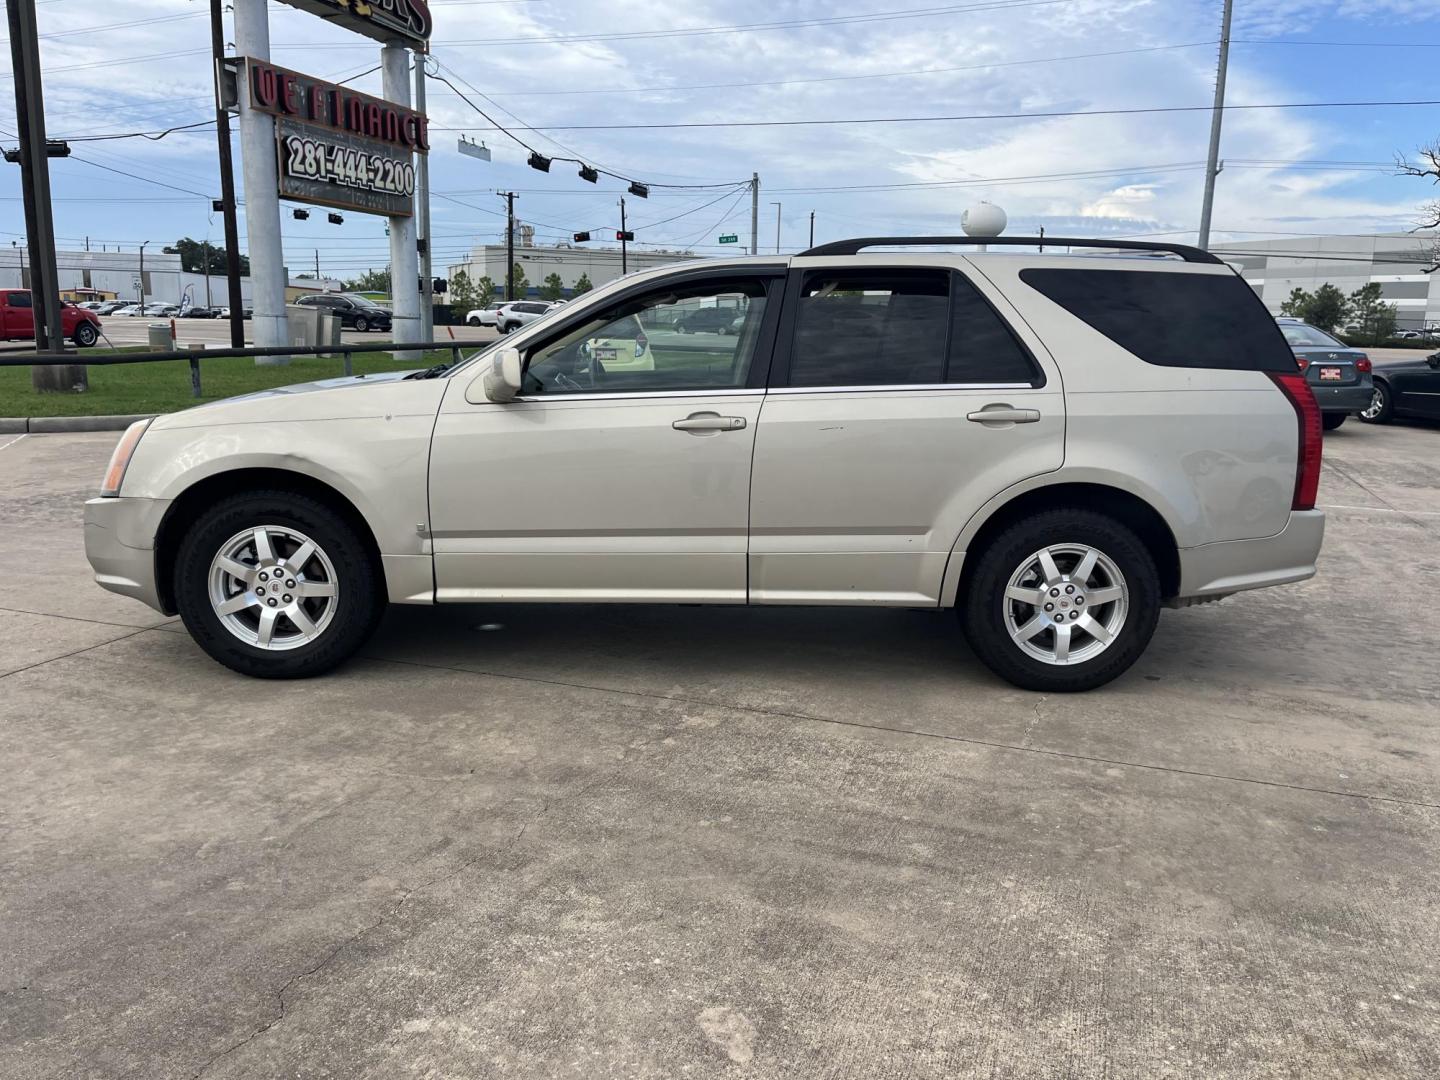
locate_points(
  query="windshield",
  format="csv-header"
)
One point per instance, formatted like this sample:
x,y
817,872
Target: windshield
x,y
1298,336
363,301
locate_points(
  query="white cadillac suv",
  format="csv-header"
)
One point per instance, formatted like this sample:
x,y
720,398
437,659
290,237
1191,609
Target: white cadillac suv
x,y
1057,446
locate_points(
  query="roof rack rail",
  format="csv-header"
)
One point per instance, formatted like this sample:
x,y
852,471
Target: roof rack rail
x,y
853,247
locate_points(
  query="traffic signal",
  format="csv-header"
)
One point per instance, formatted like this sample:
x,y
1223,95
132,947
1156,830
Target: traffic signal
x,y
624,234
439,286
300,215
581,237
589,173
639,190
335,219
539,161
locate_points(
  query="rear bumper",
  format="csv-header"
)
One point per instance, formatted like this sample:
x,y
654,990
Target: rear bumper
x,y
1231,566
120,543
1345,399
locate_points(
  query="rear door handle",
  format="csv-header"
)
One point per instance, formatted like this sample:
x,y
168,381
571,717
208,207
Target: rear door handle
x,y
708,421
1001,414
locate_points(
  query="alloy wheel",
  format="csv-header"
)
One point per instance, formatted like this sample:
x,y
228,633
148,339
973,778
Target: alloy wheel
x,y
273,587
1065,604
1376,406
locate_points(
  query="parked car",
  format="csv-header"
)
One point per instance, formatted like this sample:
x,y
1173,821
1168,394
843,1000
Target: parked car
x,y
110,307
245,312
708,320
17,319
127,310
1407,388
483,316
1338,375
1054,445
353,311
512,317
161,310
623,347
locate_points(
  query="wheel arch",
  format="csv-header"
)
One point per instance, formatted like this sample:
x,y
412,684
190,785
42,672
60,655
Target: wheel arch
x,y
1125,506
208,490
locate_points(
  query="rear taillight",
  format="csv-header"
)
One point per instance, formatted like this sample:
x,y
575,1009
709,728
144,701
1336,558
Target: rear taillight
x,y
1363,365
1301,363
1307,465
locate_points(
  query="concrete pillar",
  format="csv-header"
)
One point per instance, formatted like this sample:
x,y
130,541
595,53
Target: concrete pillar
x,y
404,258
262,199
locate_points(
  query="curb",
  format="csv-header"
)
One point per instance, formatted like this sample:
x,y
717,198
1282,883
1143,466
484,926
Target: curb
x,y
54,425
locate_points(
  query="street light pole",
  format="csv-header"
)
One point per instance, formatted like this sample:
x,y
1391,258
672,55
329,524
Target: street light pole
x,y
624,266
812,228
776,205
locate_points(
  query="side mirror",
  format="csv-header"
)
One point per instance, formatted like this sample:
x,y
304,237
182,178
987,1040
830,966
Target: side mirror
x,y
502,381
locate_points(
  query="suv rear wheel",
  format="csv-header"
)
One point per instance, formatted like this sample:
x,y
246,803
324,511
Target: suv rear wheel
x,y
1062,601
277,585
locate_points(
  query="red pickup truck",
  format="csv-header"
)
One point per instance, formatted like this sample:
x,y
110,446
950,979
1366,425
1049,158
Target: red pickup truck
x,y
17,319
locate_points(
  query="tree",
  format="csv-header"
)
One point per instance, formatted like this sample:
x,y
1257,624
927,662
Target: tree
x,y
195,253
582,284
370,281
1375,317
553,289
520,283
1326,307
484,292
1295,304
1427,167
462,294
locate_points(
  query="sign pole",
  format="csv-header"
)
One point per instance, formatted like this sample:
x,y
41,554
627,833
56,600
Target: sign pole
x,y
227,184
262,197
404,255
422,215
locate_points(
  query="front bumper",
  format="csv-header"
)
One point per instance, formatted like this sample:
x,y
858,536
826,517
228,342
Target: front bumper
x,y
1343,399
120,544
1231,566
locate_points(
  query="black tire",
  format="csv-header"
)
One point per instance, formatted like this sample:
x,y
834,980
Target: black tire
x,y
982,605
473,321
361,323
1332,420
86,335
1382,409
359,595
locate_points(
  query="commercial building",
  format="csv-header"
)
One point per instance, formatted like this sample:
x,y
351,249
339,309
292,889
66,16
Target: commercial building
x,y
118,272
571,263
1401,263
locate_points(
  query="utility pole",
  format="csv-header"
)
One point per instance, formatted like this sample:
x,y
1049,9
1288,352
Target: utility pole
x,y
207,271
1212,165
142,277
317,267
422,216
776,205
755,213
227,183
624,267
812,229
509,246
35,184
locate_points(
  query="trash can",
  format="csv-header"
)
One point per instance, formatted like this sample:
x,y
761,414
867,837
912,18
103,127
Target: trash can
x,y
160,339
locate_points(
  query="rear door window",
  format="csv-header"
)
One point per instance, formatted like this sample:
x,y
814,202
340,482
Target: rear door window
x,y
1171,319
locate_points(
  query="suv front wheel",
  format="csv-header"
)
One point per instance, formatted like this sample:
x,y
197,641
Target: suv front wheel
x,y
1063,601
276,584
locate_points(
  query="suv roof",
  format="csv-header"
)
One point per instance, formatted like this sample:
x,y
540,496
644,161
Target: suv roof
x,y
855,246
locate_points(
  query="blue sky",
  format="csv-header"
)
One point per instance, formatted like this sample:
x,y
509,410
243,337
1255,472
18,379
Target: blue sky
x,y
1116,174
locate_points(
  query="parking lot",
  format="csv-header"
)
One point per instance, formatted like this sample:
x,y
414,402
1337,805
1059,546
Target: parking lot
x,y
215,333
655,842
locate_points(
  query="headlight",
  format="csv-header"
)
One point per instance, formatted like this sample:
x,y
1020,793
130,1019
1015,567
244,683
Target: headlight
x,y
120,459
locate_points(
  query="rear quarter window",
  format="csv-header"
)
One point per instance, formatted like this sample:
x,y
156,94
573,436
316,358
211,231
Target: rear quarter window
x,y
1171,319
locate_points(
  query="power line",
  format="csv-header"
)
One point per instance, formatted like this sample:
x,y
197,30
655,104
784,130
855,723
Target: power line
x,y
1038,115
851,78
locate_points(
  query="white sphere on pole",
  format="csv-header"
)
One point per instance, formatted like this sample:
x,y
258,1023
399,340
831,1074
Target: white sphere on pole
x,y
985,219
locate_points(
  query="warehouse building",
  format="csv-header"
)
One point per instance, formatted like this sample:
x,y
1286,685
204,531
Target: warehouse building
x,y
1402,263
119,273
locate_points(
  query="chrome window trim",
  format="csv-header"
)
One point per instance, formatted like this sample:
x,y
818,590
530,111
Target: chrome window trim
x,y
619,395
895,387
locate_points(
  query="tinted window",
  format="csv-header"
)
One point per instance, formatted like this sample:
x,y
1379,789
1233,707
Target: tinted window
x,y
1172,319
871,328
19,299
983,348
635,346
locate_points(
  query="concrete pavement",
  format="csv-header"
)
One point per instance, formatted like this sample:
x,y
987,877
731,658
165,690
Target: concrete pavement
x,y
653,842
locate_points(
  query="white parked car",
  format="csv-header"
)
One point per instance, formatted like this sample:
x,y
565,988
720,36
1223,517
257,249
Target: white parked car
x,y
128,310
483,316
1055,446
512,317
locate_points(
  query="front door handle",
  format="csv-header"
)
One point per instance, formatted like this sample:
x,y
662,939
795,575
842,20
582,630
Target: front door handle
x,y
1003,415
709,422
